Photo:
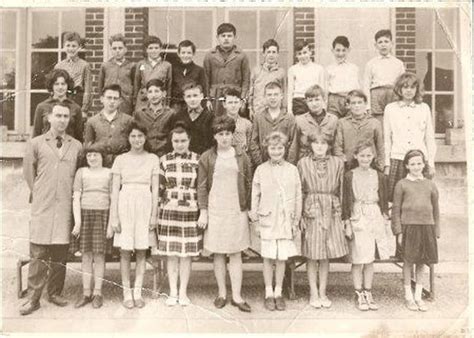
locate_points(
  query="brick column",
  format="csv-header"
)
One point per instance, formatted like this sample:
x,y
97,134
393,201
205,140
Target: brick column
x,y
304,27
94,47
405,36
136,29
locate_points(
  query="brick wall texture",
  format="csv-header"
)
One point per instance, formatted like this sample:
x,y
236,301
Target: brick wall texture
x,y
304,28
136,29
405,36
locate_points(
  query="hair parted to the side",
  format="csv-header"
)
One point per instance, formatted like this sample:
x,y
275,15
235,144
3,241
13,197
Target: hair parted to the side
x,y
274,138
341,40
272,85
155,83
270,43
383,33
300,44
72,36
409,79
187,43
114,87
191,85
54,75
151,39
361,146
231,91
314,91
356,93
180,127
223,123
226,27
118,38
59,104
415,153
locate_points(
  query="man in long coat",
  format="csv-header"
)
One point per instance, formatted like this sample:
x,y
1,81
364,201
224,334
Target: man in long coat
x,y
49,166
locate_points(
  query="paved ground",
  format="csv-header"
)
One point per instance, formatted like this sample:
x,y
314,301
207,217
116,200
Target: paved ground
x,y
447,313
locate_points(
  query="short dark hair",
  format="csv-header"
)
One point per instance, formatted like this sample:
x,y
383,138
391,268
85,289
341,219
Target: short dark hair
x,y
275,137
226,27
187,43
231,91
221,123
356,93
383,32
138,126
93,148
114,87
151,39
191,85
415,153
72,36
300,44
341,40
117,38
179,127
269,43
59,104
52,77
272,85
314,91
157,83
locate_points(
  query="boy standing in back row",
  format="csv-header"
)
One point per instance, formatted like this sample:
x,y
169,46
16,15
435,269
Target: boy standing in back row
x,y
380,74
226,66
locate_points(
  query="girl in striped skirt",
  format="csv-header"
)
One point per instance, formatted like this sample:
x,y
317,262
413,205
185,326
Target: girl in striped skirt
x,y
91,215
321,224
179,237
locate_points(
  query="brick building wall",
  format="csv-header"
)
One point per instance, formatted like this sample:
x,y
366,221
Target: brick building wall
x,y
405,36
303,25
136,28
94,46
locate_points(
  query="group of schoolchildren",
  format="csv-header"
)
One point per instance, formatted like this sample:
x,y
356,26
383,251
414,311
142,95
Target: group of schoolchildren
x,y
171,165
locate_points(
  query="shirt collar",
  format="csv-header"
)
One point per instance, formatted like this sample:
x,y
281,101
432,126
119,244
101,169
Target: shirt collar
x,y
74,59
114,115
181,155
339,63
404,104
388,56
412,178
51,135
270,67
197,110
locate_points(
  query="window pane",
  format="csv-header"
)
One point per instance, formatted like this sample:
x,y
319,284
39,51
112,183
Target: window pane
x,y
199,58
444,71
36,98
428,99
167,25
8,70
198,28
275,24
423,69
8,31
444,112
7,110
445,28
45,32
41,65
246,24
74,21
252,58
424,37
283,60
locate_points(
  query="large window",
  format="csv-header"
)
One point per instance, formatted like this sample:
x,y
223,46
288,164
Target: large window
x,y
254,27
438,65
46,28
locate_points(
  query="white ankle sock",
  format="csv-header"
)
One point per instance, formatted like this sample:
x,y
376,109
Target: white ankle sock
x,y
408,293
277,291
418,290
127,293
268,292
137,293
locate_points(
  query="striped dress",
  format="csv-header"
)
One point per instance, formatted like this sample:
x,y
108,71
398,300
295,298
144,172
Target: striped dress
x,y
178,234
321,180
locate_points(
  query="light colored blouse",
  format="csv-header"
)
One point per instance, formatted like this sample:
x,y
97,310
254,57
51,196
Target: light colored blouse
x,y
136,168
94,186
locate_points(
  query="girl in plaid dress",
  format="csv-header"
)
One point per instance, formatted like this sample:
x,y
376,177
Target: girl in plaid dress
x,y
321,224
178,235
91,214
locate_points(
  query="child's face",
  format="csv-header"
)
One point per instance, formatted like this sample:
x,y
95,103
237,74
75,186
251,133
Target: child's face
x,y
180,142
273,97
408,91
153,51
304,55
357,106
415,166
384,45
155,95
319,148
71,48
232,105
224,139
60,87
365,157
276,151
270,55
94,160
340,52
186,54
226,40
193,98
137,139
111,100
118,50
315,104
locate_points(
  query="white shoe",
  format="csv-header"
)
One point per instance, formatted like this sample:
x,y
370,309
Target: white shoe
x,y
184,301
325,302
171,301
316,303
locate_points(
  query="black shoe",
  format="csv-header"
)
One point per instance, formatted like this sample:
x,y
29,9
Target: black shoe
x,y
97,301
244,307
83,301
280,304
220,302
269,303
29,307
58,300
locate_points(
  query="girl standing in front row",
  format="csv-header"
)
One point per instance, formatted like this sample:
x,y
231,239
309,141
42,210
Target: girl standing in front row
x,y
321,224
91,215
276,207
133,210
415,222
364,202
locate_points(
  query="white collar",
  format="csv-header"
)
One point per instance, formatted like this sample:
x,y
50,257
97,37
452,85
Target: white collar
x,y
412,178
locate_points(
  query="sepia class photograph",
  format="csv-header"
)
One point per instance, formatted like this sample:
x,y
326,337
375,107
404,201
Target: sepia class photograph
x,y
246,167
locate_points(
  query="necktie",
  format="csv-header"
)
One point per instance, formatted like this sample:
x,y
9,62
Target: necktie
x,y
59,142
